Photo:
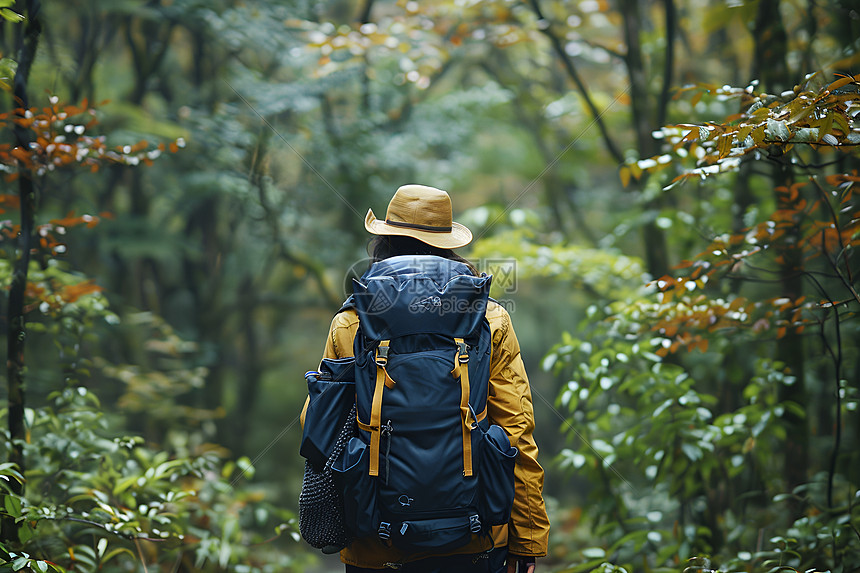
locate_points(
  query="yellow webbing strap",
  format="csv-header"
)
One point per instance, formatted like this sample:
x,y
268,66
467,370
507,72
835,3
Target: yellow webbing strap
x,y
481,415
362,425
463,367
376,408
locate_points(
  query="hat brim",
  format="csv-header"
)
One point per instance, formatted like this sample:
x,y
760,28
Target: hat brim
x,y
459,236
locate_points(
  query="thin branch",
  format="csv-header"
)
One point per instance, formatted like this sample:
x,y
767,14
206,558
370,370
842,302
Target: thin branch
x,y
102,526
140,554
532,126
314,268
594,45
837,437
574,75
835,220
394,120
837,363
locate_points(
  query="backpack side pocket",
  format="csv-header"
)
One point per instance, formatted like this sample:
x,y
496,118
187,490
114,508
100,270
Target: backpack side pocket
x,y
350,474
496,474
331,393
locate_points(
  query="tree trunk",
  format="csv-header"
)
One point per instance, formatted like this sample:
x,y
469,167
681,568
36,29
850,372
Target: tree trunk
x,y
771,46
17,333
250,367
644,121
770,67
791,352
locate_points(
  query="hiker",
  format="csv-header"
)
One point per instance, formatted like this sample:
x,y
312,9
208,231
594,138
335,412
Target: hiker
x,y
419,222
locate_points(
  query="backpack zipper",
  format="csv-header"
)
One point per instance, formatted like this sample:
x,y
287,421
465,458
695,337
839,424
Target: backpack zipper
x,y
319,375
386,431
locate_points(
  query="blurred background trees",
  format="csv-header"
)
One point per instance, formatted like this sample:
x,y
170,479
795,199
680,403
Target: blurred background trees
x,y
674,181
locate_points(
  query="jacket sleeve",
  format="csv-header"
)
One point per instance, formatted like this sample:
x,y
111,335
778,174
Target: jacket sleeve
x,y
344,325
510,406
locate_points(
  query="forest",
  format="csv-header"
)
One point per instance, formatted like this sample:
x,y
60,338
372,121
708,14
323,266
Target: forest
x,y
663,191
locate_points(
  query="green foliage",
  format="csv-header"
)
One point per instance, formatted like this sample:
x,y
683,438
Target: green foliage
x,y
822,118
95,500
673,471
7,13
603,273
8,67
94,495
223,265
694,453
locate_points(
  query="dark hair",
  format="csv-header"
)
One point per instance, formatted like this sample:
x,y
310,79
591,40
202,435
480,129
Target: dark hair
x,y
385,246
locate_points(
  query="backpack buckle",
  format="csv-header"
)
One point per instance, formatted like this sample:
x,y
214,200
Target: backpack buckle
x,y
384,531
463,356
382,355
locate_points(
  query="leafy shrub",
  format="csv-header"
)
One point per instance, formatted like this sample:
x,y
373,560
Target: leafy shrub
x,y
96,502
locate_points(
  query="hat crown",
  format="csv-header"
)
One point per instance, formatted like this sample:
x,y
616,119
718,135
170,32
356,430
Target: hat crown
x,y
420,207
423,213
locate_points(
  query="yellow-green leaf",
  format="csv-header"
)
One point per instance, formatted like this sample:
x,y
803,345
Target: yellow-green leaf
x,y
841,82
624,173
743,132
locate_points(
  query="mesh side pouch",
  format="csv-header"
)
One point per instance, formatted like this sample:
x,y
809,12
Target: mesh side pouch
x,y
321,509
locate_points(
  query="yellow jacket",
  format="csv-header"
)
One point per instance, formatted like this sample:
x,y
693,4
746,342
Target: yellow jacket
x,y
510,406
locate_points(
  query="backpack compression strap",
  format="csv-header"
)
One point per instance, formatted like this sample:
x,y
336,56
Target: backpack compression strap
x,y
461,370
375,428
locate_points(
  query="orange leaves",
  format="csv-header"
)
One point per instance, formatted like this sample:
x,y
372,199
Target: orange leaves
x,y
635,169
48,243
71,293
842,82
51,295
810,226
61,138
687,340
825,119
724,145
838,179
692,321
671,287
800,237
684,319
7,200
625,173
809,233
71,221
826,238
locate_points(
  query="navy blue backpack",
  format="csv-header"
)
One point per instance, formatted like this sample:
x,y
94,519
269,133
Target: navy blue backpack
x,y
426,470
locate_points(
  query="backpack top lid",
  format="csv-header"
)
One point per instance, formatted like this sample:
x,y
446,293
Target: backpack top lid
x,y
420,294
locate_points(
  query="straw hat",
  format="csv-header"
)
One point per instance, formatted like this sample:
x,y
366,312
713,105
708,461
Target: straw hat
x,y
423,213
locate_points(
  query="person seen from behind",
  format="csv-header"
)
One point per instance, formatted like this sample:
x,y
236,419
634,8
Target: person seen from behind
x,y
419,221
